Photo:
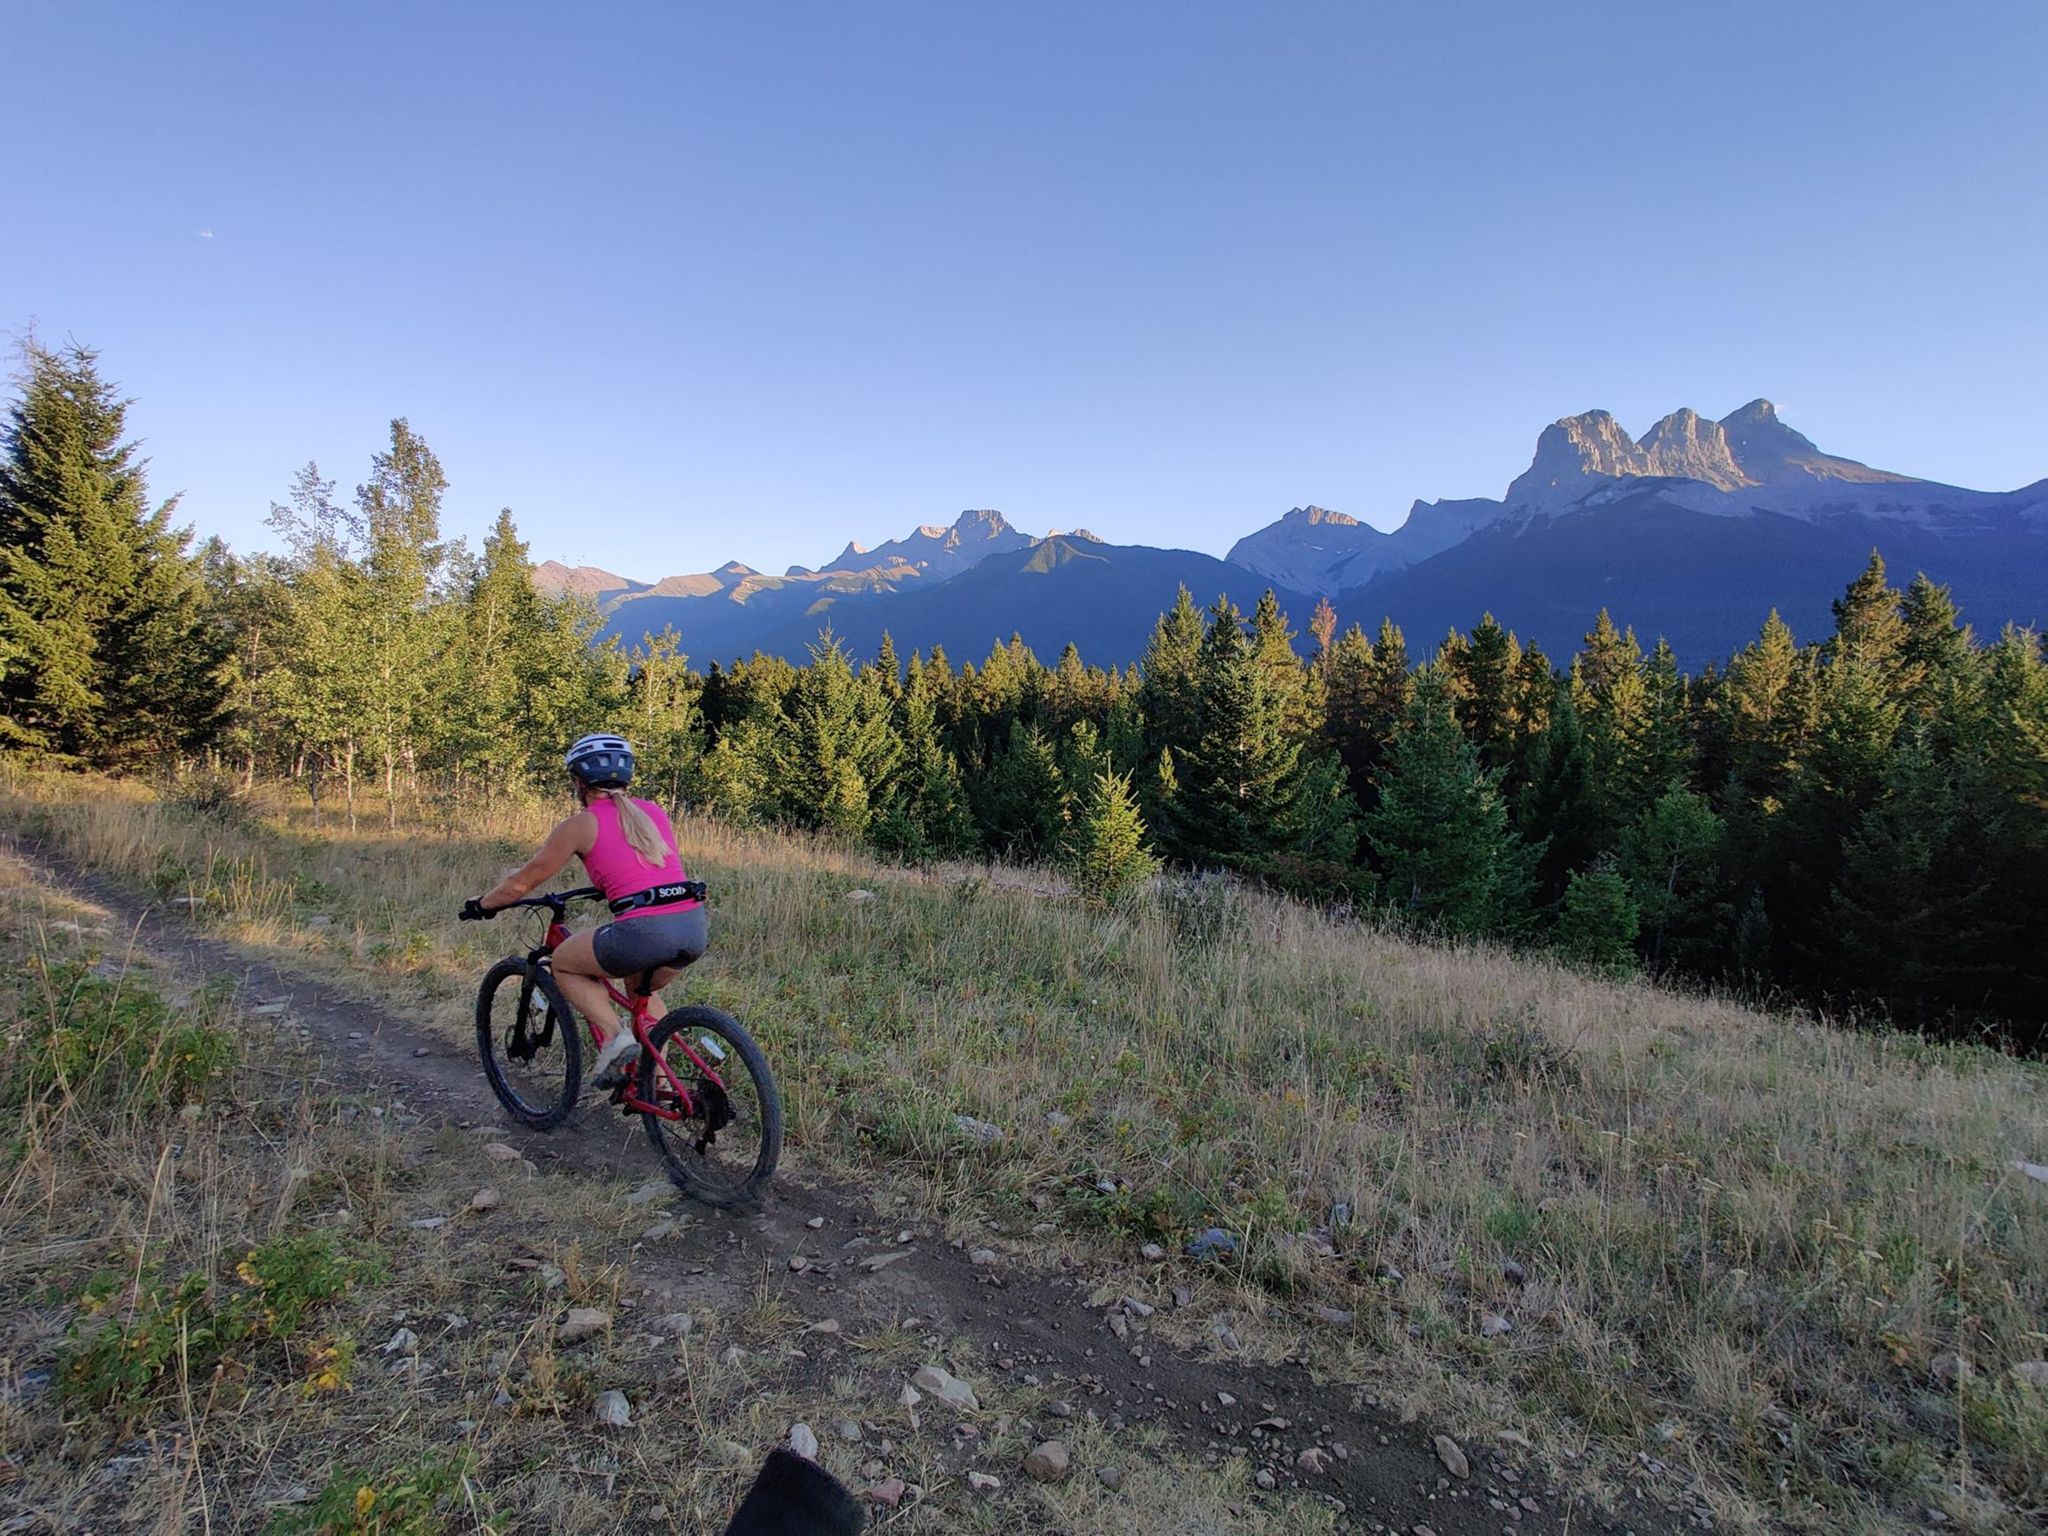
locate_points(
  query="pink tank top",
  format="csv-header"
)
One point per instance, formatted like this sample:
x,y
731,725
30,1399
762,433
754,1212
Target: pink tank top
x,y
617,870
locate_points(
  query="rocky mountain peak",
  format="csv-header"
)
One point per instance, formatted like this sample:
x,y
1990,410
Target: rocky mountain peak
x,y
1688,446
1318,516
982,522
1772,453
1571,454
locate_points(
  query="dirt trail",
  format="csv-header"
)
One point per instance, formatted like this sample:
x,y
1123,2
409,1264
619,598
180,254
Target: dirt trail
x,y
1033,1326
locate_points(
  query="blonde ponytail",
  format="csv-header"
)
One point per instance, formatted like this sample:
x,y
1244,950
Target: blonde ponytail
x,y
642,835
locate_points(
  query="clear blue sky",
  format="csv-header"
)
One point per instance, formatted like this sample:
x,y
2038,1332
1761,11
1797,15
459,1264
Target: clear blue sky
x,y
686,283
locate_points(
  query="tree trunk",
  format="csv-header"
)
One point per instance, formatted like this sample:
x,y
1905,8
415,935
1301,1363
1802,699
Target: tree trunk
x,y
312,785
348,778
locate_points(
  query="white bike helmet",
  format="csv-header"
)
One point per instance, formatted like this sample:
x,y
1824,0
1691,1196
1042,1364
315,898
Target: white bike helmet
x,y
601,761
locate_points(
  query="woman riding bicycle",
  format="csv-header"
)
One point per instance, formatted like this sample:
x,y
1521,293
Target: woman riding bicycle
x,y
628,849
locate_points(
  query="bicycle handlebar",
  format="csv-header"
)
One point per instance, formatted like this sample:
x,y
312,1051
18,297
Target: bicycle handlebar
x,y
556,902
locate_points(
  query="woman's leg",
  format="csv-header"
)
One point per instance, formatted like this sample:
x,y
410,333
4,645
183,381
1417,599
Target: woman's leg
x,y
582,982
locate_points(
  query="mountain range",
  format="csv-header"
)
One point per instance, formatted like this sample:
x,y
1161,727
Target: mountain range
x,y
1694,532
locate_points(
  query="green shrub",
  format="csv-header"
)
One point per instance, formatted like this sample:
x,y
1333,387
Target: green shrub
x,y
117,1355
113,1044
416,1498
213,795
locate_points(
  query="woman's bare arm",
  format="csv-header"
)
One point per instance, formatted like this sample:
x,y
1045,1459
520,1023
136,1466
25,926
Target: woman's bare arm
x,y
575,836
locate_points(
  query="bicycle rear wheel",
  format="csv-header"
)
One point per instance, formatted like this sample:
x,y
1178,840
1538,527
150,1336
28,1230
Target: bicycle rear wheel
x,y
725,1151
527,1035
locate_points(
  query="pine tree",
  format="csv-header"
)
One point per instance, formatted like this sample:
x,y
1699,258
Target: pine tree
x,y
1482,674
1024,801
1913,914
1321,829
1769,706
1238,777
1285,679
106,649
1597,924
1440,833
889,668
834,750
1167,696
1555,811
1665,752
1367,689
929,815
1936,649
1104,851
1670,858
1868,628
1610,691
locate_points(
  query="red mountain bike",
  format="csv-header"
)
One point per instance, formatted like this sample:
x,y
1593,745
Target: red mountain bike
x,y
701,1086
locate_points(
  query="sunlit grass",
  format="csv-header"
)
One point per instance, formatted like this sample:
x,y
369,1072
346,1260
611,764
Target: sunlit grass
x,y
1743,1238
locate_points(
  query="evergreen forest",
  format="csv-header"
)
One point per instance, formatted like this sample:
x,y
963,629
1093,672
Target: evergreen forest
x,y
1856,820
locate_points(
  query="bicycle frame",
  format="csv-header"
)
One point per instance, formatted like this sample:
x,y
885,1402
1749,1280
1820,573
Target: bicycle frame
x,y
641,1012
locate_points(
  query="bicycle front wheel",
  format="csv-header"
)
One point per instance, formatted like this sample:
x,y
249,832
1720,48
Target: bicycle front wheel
x,y
526,1034
724,1150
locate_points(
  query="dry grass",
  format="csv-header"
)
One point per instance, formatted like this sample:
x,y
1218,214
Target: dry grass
x,y
430,1393
1746,1238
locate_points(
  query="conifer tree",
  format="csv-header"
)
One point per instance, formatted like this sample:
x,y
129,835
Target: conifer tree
x,y
1285,679
1936,648
1238,777
1024,801
1555,811
1770,704
1367,688
1868,628
1597,924
1913,912
1670,858
1104,851
1611,694
929,815
1440,833
1167,696
833,751
1482,674
889,668
106,651
1665,753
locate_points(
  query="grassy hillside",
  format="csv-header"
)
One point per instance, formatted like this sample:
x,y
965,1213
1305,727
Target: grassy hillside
x,y
1748,1247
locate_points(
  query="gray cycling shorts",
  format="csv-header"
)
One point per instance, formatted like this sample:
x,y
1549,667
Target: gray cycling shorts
x,y
630,945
